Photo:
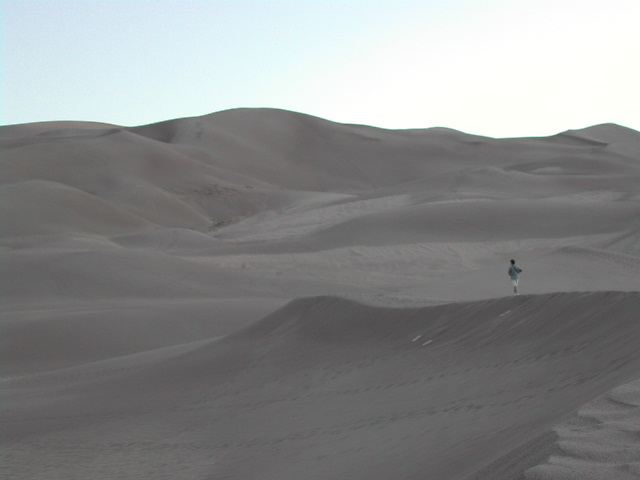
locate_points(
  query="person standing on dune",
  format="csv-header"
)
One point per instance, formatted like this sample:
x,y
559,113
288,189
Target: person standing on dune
x,y
514,273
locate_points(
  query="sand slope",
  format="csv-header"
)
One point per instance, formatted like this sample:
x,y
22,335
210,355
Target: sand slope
x,y
264,294
327,387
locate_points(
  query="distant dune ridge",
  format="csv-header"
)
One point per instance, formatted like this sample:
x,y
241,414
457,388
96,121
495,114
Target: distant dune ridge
x,y
262,294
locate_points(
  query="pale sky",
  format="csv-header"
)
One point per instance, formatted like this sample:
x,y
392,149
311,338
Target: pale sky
x,y
500,68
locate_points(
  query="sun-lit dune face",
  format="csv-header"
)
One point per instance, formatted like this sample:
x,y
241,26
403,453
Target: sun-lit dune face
x,y
262,294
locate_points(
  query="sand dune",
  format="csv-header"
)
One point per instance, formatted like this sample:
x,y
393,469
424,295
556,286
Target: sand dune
x,y
262,294
327,387
37,207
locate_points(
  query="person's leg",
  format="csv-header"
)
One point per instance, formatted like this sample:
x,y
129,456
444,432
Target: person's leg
x,y
515,286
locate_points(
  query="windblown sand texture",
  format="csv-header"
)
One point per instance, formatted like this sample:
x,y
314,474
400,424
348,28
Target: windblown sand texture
x,y
264,295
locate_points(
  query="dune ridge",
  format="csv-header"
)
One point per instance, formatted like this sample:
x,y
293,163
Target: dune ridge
x,y
263,294
329,386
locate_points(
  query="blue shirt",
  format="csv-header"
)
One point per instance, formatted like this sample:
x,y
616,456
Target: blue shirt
x,y
514,270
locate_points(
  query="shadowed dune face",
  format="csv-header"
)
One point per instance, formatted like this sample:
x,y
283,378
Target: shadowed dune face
x,y
357,276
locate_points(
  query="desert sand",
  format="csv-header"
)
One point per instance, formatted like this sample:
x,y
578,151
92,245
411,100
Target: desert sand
x,y
259,294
